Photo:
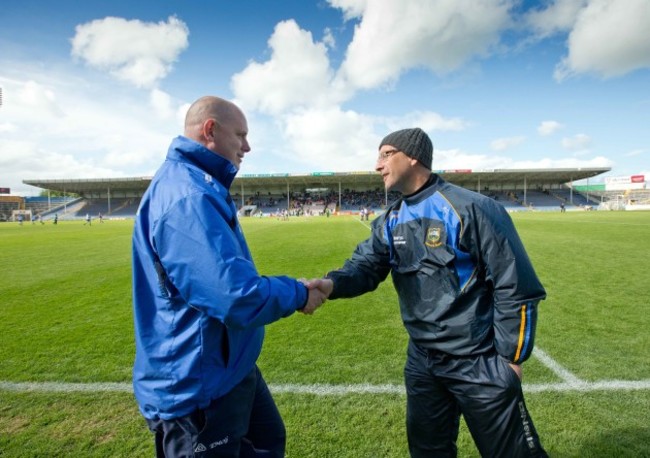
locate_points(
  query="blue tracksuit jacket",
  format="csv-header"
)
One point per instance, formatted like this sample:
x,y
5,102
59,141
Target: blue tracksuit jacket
x,y
200,305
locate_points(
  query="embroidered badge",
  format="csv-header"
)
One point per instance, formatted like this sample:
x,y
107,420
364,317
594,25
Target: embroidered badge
x,y
434,235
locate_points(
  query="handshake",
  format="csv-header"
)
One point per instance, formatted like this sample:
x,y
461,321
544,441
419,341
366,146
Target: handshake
x,y
319,290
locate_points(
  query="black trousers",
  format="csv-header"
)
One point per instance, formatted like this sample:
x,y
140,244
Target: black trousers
x,y
483,388
245,423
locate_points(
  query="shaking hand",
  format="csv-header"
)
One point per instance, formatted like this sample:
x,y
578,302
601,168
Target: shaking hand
x,y
319,291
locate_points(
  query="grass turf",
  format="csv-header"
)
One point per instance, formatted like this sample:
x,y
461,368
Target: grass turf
x,y
65,316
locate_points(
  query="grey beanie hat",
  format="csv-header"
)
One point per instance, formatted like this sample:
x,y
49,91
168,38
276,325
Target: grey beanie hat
x,y
413,142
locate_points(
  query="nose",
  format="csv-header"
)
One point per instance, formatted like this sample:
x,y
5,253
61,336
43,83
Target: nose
x,y
379,165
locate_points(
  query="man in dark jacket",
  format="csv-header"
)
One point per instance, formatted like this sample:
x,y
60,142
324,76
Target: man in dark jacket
x,y
200,305
468,297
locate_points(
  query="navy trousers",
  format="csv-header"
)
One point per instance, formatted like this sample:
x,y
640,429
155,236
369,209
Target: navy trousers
x,y
245,423
483,388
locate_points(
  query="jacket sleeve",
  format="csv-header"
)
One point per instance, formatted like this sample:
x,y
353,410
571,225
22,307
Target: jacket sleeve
x,y
210,268
516,288
368,266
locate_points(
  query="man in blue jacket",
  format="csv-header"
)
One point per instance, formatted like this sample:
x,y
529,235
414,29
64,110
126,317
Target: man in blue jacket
x,y
200,305
468,296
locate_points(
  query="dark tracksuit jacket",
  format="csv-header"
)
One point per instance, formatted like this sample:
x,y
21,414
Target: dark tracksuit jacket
x,y
465,283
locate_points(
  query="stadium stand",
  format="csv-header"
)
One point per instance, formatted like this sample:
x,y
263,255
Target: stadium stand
x,y
349,192
579,199
8,204
44,206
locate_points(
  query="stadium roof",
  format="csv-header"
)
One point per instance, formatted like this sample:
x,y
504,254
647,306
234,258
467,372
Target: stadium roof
x,y
466,178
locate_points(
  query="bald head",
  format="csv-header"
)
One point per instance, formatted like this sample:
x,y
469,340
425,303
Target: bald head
x,y
206,108
220,126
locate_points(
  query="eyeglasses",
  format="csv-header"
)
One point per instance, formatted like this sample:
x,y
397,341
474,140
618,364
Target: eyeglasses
x,y
386,154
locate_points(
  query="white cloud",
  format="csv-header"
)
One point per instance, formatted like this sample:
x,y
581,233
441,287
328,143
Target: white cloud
x,y
565,163
454,159
296,86
610,38
558,16
332,139
296,75
351,8
502,144
294,99
578,142
394,37
328,38
161,103
328,139
549,127
181,111
26,160
7,127
101,133
427,121
137,52
35,99
634,153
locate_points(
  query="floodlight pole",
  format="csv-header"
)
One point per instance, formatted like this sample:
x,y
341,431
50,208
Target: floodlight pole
x,y
340,201
242,193
525,186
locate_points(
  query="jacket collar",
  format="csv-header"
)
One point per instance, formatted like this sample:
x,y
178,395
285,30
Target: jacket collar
x,y
186,150
433,183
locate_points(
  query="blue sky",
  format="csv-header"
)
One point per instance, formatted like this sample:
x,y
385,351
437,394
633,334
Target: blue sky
x,y
99,89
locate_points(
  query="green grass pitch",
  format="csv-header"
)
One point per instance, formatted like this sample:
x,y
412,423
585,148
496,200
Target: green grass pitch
x,y
66,324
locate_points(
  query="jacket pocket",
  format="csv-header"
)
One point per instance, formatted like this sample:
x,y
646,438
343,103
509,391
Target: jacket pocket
x,y
216,344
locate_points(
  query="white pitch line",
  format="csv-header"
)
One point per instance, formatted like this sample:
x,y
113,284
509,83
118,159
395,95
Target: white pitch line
x,y
334,390
367,226
602,385
558,370
325,389
62,387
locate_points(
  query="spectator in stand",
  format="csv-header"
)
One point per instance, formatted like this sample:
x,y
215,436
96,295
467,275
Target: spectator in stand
x,y
200,306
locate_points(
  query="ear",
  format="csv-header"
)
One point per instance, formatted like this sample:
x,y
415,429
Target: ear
x,y
207,129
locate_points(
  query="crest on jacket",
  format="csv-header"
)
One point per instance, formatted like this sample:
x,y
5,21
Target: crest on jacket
x,y
434,237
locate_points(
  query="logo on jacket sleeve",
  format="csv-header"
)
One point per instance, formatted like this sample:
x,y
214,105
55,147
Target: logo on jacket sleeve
x,y
434,237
